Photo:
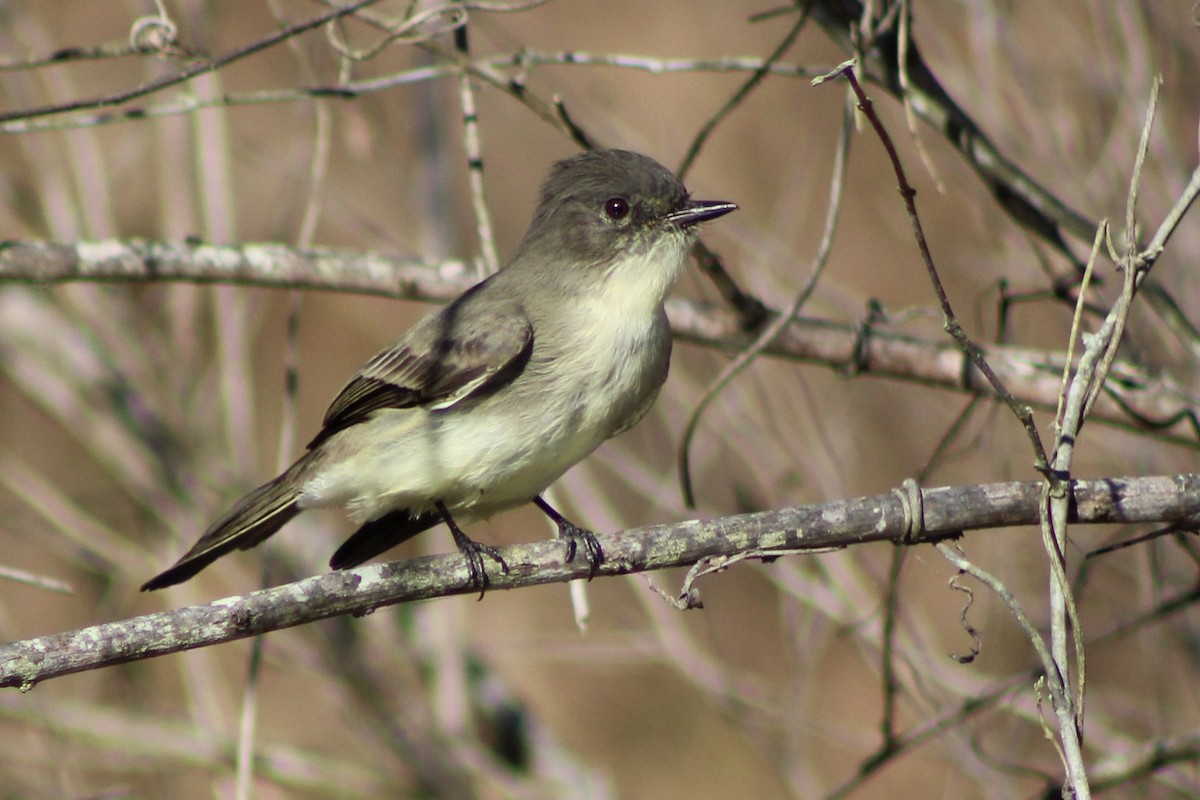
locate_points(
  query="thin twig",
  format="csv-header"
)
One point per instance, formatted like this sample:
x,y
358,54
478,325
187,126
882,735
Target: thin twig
x,y
739,96
191,72
837,185
1059,690
951,324
488,257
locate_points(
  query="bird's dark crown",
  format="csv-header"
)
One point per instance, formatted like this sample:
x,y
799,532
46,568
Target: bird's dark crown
x,y
595,203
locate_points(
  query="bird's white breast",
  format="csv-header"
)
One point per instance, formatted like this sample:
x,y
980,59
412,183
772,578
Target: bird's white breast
x,y
598,362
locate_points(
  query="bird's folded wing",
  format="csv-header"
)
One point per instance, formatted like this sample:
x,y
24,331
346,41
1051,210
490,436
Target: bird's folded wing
x,y
466,349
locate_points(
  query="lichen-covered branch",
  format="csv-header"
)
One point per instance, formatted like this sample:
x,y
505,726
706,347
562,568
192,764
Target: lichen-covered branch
x,y
943,513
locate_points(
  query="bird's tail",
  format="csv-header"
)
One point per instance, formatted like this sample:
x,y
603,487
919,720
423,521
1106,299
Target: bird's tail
x,y
382,534
252,519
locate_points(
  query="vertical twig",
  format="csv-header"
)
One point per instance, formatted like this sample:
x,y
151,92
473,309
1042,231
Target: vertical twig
x,y
489,260
1057,489
950,321
1055,681
836,187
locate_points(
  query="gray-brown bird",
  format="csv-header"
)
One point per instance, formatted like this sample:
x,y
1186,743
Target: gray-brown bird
x,y
483,404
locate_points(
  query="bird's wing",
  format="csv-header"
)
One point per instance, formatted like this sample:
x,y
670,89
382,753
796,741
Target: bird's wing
x,y
465,349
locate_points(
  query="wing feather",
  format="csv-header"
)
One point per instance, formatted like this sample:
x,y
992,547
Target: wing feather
x,y
467,349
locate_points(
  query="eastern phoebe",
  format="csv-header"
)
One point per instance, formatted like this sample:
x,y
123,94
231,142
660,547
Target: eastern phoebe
x,y
483,404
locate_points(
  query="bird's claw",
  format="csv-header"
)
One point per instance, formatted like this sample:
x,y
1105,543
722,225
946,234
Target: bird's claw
x,y
474,552
591,545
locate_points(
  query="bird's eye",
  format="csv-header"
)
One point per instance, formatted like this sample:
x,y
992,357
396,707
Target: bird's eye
x,y
616,207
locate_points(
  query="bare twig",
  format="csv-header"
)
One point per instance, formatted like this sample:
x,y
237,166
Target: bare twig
x,y
184,75
1060,690
489,258
741,94
43,582
951,324
771,332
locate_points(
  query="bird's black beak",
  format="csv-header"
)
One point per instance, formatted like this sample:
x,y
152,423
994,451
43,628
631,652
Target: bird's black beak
x,y
693,212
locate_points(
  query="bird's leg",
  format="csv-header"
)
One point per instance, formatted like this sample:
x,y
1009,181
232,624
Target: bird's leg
x,y
472,550
573,534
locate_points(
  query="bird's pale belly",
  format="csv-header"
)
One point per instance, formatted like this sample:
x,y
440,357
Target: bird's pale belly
x,y
498,454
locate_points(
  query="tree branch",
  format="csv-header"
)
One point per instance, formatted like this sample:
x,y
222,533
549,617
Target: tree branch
x,y
1132,399
943,513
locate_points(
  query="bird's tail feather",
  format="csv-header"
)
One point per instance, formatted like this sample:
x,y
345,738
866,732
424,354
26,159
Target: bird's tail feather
x,y
382,534
252,519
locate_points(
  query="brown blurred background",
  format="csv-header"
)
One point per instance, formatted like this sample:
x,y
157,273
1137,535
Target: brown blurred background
x,y
132,415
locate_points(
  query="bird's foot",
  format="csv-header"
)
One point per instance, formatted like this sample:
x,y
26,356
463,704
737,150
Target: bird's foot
x,y
591,545
474,552
573,534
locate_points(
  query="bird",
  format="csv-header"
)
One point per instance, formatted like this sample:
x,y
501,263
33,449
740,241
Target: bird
x,y
481,405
